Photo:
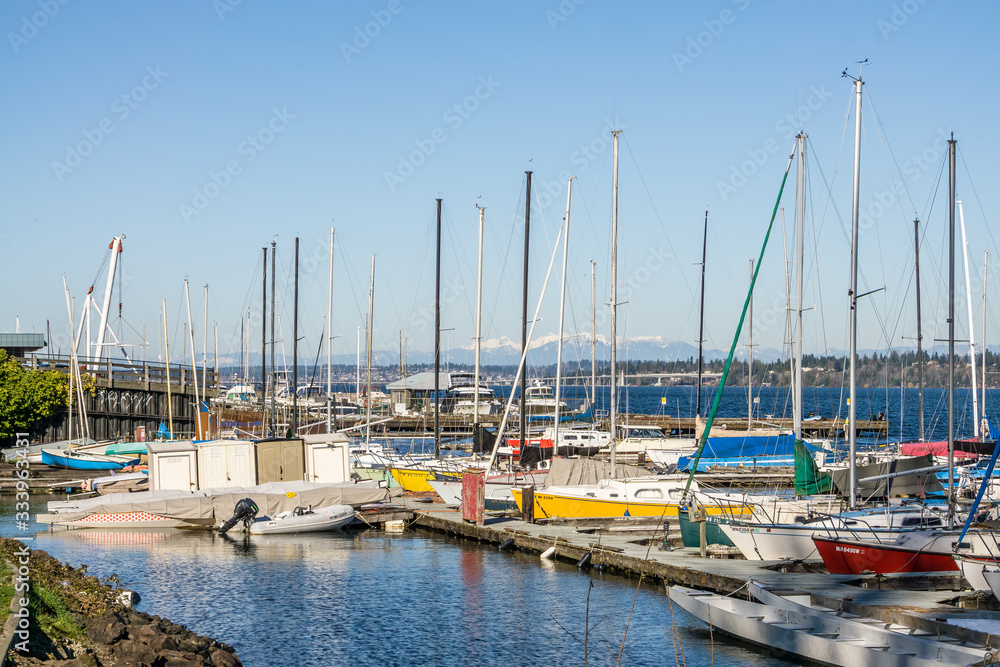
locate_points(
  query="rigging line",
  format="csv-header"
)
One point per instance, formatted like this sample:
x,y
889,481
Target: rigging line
x,y
975,193
411,294
673,252
887,145
462,252
346,261
504,274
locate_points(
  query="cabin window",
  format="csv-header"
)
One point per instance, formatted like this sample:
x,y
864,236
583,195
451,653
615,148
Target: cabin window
x,y
591,494
649,493
614,495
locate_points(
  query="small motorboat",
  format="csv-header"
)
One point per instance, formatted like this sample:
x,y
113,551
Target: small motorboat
x,y
304,520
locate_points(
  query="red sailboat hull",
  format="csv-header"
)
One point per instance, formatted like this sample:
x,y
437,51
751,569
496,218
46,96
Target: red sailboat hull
x,y
857,557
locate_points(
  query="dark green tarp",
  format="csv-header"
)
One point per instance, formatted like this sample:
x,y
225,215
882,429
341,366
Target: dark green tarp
x,y
808,479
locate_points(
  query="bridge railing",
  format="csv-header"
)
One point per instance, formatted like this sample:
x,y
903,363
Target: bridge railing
x,y
120,370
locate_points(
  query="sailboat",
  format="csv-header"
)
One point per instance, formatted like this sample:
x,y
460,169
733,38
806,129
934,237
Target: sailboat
x,y
640,495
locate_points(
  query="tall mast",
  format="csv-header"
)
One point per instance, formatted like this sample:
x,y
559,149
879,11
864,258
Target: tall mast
x,y
274,376
263,350
593,334
750,356
799,274
920,336
437,338
194,364
522,418
951,331
852,407
357,367
204,352
972,341
701,321
295,347
368,363
166,353
329,340
985,427
562,318
614,300
479,315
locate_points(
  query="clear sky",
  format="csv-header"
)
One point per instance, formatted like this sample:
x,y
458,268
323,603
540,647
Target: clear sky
x,y
205,130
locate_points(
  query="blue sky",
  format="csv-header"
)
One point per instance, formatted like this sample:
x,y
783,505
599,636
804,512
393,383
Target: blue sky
x,y
203,131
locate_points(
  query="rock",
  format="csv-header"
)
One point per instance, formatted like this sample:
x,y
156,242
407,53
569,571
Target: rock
x,y
225,659
105,631
194,644
143,633
161,643
179,659
172,629
131,653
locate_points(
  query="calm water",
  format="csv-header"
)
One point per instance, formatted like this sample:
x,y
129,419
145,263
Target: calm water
x,y
378,599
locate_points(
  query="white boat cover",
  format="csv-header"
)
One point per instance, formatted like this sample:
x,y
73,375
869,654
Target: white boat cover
x,y
217,504
574,472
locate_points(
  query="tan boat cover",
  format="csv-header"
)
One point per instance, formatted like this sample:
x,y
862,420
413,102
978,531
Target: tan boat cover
x,y
216,505
574,472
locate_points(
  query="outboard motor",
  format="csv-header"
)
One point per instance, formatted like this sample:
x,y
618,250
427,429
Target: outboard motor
x,y
245,511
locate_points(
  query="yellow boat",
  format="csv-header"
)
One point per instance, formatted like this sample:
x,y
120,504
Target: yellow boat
x,y
413,480
659,496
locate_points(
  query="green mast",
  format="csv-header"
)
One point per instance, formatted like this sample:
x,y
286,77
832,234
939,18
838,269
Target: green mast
x,y
736,338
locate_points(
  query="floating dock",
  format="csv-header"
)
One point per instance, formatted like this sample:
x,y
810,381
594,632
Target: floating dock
x,y
633,547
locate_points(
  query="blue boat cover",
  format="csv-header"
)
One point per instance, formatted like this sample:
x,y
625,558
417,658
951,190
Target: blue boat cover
x,y
748,451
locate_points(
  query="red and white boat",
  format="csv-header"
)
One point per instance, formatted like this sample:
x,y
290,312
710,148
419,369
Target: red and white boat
x,y
905,553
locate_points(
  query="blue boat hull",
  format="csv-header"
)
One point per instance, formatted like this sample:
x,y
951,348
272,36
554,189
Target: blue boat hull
x,y
79,462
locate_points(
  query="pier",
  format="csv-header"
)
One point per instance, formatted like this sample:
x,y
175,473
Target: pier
x,y
632,547
121,396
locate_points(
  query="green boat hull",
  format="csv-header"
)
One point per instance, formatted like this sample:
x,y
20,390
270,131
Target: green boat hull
x,y
690,531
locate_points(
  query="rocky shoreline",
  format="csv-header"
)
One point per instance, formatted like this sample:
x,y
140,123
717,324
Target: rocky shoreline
x,y
79,620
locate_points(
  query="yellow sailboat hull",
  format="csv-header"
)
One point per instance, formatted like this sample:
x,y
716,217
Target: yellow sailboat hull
x,y
413,480
548,505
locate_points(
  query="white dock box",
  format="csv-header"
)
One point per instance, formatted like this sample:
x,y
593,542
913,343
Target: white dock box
x,y
328,460
173,465
226,463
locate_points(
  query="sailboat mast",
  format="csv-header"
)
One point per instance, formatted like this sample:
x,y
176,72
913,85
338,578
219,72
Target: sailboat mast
x,y
614,301
166,353
562,319
204,351
852,406
437,337
800,197
593,334
920,336
329,340
985,427
522,417
274,376
479,315
263,351
368,362
951,331
295,347
972,341
194,364
701,321
750,356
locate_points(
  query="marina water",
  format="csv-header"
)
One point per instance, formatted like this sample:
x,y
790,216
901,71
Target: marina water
x,y
418,598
